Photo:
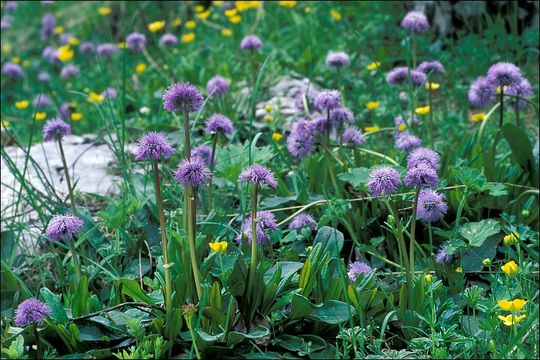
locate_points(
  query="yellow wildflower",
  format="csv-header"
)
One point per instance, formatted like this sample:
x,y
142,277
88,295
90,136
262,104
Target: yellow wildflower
x,y
277,136
204,15
187,38
402,127
176,22
510,320
428,278
104,11
73,41
76,116
95,98
268,118
289,4
372,105
336,15
486,262
16,59
65,53
59,30
5,123
235,19
219,246
369,129
199,8
307,10
374,66
478,117
511,239
268,108
217,3
122,45
422,110
510,268
6,49
459,270
512,305
226,32
499,89
156,26
140,68
23,104
231,12
432,86
26,63
191,24
40,116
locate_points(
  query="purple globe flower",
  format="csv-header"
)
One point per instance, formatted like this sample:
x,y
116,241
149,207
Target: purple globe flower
x,y
303,220
204,152
5,22
217,86
43,77
86,48
31,311
218,124
400,75
107,50
12,70
522,90
442,256
423,156
182,96
328,100
192,172
415,21
358,267
504,74
56,129
69,71
337,60
109,93
64,38
251,42
42,101
135,42
65,111
48,22
421,175
405,142
154,146
10,6
258,175
64,227
481,92
50,53
321,125
340,116
266,221
433,67
431,205
383,180
168,40
353,136
300,142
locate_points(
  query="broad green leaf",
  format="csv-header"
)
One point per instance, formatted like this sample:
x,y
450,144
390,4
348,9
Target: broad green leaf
x,y
331,240
258,333
334,312
477,232
471,260
356,176
520,144
58,313
497,190
132,289
472,178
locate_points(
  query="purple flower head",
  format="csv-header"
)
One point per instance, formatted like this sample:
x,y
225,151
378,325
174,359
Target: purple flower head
x,y
154,146
192,172
301,140
69,71
182,96
135,42
12,70
383,180
405,142
415,21
504,74
258,175
321,125
521,90
358,267
48,22
219,124
442,256
421,175
400,75
31,311
5,22
109,93
64,111
398,120
43,77
303,220
56,129
203,152
47,3
337,60
341,115
10,6
431,205
42,101
64,38
353,136
107,49
423,156
86,48
328,100
266,221
433,67
217,86
63,227
481,92
251,42
50,53
168,39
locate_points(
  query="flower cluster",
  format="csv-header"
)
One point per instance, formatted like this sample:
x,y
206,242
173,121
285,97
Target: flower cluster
x,y
265,222
63,227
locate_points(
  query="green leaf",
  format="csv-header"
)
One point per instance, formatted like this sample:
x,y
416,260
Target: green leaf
x,y
132,289
471,260
79,300
497,190
331,240
298,343
58,313
356,176
173,324
472,178
334,312
520,144
237,280
257,333
477,232
300,306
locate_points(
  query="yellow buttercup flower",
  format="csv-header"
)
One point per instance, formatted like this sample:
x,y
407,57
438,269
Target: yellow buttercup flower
x,y
499,89
40,116
187,38
372,105
512,305
5,123
23,104
369,129
65,53
26,63
289,4
226,32
428,278
6,49
277,136
478,117
156,26
402,127
459,270
268,108
432,86
235,19
307,10
510,268
122,45
511,239
95,98
204,15
59,30
73,41
191,24
268,118
217,3
246,5
219,246
199,8
76,116
140,68
16,59
176,22
231,12
510,320
374,66
336,15
424,110
104,11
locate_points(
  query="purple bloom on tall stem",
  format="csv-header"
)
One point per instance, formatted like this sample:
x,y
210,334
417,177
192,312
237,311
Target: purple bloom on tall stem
x,y
251,42
504,74
182,96
340,116
5,22
303,220
109,93
421,175
12,70
135,42
50,53
31,311
400,75
353,136
217,86
64,38
64,110
168,40
433,67
358,267
43,77
405,141
68,71
383,180
258,175
154,146
442,256
41,101
266,222
10,6
56,129
321,125
481,92
218,124
300,141
328,100
107,49
48,22
522,90
431,205
423,156
86,48
192,172
63,227
204,152
415,21
337,60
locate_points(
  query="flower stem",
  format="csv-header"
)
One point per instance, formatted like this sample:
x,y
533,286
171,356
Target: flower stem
x,y
254,250
39,352
403,246
413,50
212,159
187,143
191,235
68,179
517,112
159,200
430,122
75,258
413,230
430,230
